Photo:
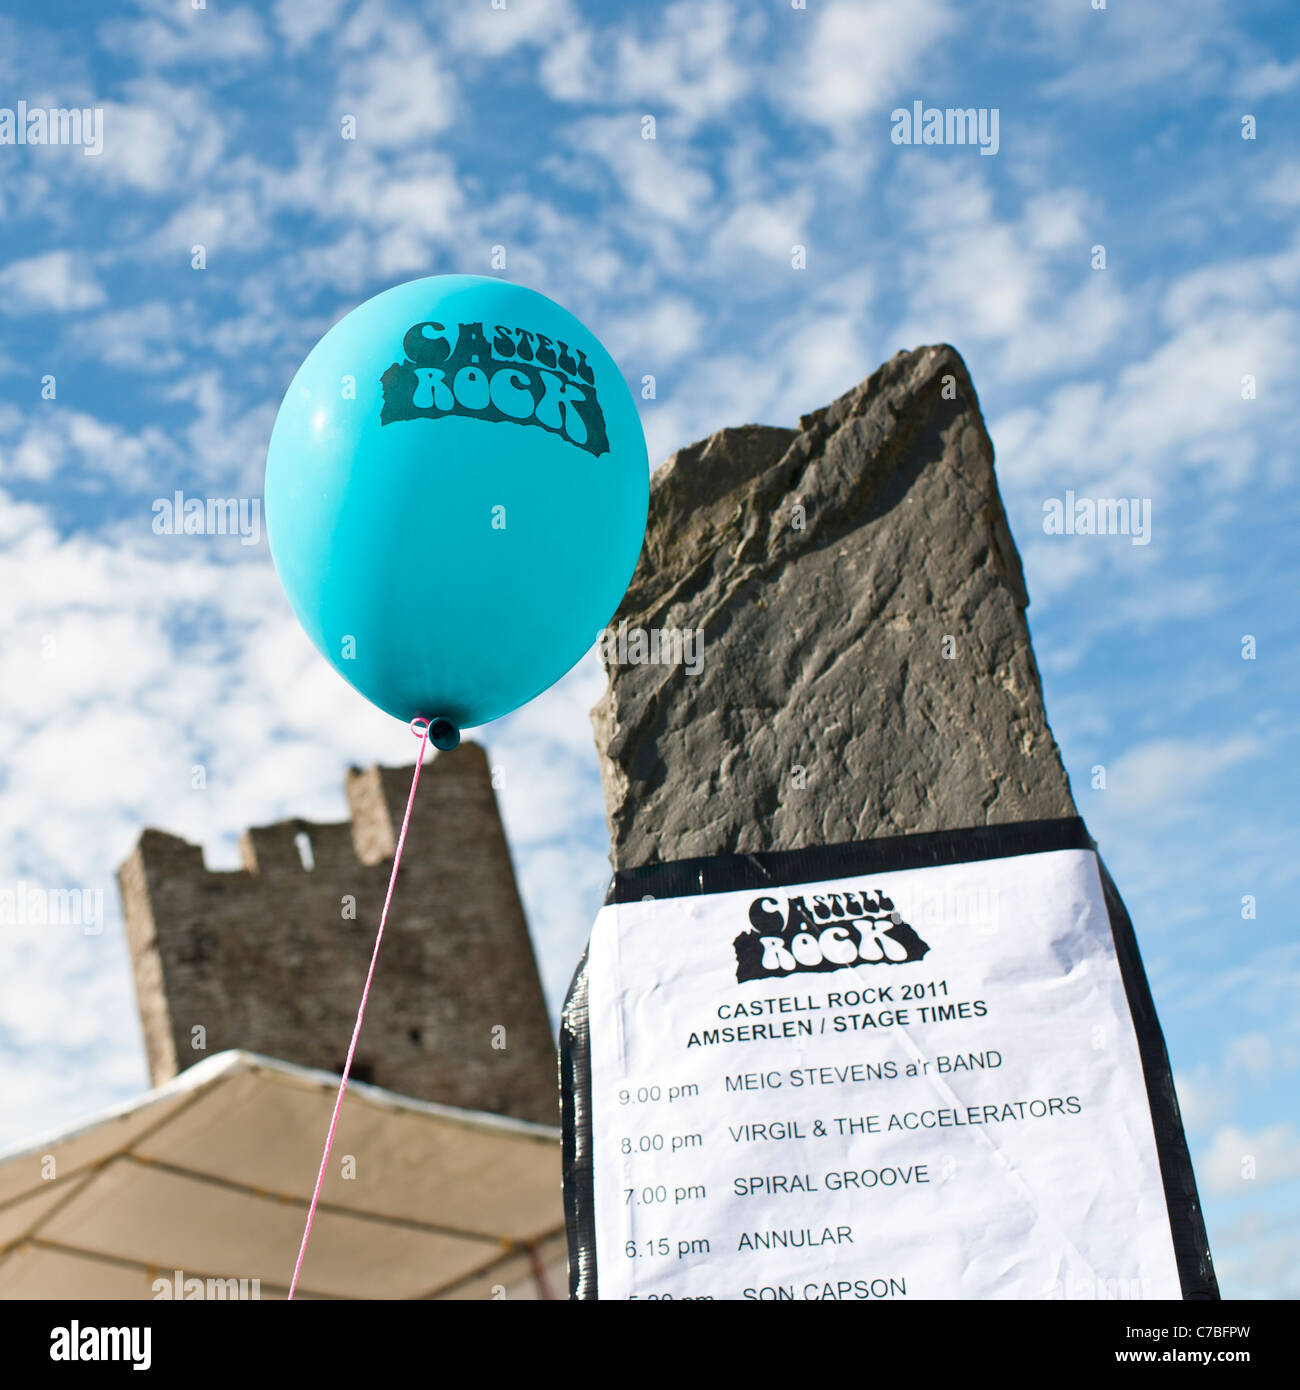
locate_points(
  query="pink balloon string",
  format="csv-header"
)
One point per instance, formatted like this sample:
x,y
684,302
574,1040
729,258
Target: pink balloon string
x,y
423,736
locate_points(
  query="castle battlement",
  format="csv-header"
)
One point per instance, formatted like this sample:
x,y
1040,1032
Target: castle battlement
x,y
272,957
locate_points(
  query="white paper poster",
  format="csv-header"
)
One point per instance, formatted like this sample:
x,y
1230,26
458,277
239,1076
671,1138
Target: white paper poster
x,y
921,1083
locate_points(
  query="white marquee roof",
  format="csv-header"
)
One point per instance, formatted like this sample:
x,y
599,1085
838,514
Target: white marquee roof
x,y
212,1173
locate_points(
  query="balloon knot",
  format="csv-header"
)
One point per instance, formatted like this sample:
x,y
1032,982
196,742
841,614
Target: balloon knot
x,y
442,733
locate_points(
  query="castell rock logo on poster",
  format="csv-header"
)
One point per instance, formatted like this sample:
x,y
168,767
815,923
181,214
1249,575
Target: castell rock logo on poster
x,y
518,376
838,930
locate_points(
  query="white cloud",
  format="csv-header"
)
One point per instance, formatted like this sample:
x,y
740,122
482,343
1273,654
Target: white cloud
x,y
1168,775
1172,422
1267,79
1238,1162
1265,982
770,227
696,65
489,32
227,435
800,363
1087,323
54,282
1257,1253
53,439
1132,47
165,137
1056,220
1055,568
1019,282
142,336
1255,282
1250,1061
1187,396
176,34
233,221
568,69
657,335
392,80
380,213
301,24
1282,186
862,57
1201,1101
1254,1054
659,180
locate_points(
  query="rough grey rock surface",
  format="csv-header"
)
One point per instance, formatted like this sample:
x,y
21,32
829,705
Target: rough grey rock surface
x,y
866,673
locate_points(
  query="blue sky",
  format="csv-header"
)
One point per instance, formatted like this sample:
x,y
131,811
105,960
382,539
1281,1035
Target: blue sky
x,y
131,657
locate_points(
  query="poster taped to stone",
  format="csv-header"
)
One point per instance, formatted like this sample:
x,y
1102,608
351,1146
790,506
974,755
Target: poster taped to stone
x,y
899,1082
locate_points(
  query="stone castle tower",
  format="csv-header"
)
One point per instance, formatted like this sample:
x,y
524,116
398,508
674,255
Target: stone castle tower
x,y
272,958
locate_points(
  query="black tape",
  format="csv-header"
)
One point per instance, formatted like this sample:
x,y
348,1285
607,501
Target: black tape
x,y
742,872
575,1147
1186,1223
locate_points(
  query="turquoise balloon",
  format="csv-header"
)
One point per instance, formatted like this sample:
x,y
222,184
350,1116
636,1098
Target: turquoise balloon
x,y
456,495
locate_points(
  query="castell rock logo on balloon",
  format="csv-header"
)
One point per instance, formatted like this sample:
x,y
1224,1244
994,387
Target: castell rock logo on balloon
x,y
823,931
521,375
